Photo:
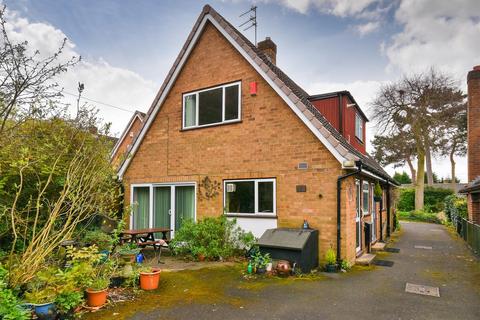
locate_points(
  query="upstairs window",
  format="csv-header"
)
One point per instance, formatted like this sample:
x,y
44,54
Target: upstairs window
x,y
359,127
212,106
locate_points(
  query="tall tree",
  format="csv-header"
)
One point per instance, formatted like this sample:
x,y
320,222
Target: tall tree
x,y
27,79
398,149
455,140
417,104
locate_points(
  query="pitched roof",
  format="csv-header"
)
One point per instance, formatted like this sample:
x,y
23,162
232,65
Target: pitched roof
x,y
137,114
295,97
473,186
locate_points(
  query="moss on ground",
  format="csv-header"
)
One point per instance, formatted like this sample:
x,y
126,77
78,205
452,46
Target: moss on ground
x,y
228,285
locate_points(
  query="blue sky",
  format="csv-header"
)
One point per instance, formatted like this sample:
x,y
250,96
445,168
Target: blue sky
x,y
128,46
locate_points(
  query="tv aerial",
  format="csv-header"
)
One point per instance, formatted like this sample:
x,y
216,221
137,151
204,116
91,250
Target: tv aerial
x,y
251,22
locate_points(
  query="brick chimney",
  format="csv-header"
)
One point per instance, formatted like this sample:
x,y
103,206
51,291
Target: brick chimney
x,y
473,84
269,48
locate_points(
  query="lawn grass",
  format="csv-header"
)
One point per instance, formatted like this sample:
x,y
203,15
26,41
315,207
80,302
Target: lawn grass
x,y
419,216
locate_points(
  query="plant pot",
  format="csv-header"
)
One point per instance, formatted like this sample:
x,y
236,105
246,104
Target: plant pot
x,y
45,311
201,257
116,282
128,257
261,270
284,268
96,298
150,280
331,268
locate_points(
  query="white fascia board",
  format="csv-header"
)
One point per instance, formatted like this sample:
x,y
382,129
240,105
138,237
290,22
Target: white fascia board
x,y
277,89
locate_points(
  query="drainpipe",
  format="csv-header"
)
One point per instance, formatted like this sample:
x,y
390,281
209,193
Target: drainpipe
x,y
388,209
339,207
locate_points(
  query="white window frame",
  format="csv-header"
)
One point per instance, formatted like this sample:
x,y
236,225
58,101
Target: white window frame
x,y
197,100
256,213
359,127
365,212
172,201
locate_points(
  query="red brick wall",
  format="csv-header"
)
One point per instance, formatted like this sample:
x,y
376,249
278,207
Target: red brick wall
x,y
127,141
474,124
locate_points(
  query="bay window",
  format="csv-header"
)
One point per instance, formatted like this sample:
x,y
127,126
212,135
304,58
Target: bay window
x,y
212,106
250,196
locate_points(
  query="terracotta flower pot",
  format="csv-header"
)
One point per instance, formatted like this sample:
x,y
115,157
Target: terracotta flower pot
x,y
201,257
284,268
150,280
96,298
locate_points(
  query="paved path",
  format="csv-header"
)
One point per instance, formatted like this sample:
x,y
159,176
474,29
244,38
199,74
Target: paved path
x,y
376,294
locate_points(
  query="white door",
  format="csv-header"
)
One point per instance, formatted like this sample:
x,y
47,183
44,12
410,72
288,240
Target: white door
x,y
358,225
374,214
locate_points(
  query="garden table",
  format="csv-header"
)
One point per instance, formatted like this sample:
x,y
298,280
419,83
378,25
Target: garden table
x,y
144,235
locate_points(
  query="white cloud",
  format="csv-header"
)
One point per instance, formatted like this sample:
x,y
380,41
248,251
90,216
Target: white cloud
x,y
444,34
366,28
103,82
341,8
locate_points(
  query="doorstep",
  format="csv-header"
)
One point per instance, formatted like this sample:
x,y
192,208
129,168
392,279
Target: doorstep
x,y
378,246
365,259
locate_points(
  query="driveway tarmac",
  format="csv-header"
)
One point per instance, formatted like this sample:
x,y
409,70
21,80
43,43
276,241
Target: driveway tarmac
x,y
374,294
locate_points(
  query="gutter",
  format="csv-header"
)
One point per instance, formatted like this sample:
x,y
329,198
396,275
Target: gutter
x,y
339,207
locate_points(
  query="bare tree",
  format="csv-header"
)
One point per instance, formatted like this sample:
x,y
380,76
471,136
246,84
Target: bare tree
x,y
27,81
418,104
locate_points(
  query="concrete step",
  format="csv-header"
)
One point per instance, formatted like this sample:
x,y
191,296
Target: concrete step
x,y
365,259
378,246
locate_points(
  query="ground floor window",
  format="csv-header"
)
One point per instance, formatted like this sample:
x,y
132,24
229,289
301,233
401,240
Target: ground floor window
x,y
366,197
162,205
255,196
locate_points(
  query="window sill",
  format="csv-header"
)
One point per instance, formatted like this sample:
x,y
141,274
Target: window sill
x,y
211,125
251,215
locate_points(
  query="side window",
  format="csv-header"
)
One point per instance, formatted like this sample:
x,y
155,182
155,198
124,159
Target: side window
x,y
366,197
359,127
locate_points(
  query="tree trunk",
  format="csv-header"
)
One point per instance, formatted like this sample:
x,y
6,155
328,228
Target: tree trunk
x,y
413,172
428,158
420,183
452,163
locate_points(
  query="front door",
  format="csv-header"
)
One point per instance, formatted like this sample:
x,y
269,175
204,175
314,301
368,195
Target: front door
x,y
374,214
358,225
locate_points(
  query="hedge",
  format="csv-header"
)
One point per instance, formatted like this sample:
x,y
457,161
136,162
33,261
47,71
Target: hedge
x,y
433,199
455,206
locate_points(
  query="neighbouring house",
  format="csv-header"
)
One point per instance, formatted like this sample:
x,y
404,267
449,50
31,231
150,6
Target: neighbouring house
x,y
127,137
472,190
230,133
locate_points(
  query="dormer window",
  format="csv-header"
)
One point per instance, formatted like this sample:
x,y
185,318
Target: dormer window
x,y
212,106
359,127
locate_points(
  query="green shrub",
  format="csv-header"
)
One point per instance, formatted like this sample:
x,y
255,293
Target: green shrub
x,y
419,215
9,303
433,199
214,238
102,240
330,257
455,206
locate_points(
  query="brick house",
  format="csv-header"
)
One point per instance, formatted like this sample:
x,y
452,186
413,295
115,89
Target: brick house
x,y
472,190
124,143
230,133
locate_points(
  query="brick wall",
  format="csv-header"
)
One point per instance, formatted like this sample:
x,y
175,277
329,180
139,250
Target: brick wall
x,y
269,142
127,141
473,80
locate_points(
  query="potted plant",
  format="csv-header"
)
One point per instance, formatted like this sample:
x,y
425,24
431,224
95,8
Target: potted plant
x,y
149,278
97,291
331,261
260,261
377,193
43,302
200,253
128,252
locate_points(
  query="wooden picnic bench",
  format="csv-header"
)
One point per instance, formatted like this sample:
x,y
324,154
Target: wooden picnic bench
x,y
146,237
